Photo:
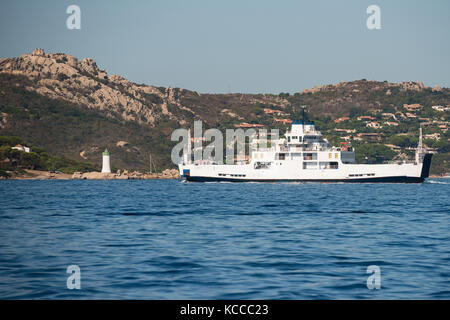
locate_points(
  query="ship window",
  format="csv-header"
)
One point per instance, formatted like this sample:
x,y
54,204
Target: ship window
x,y
328,165
336,155
330,156
309,165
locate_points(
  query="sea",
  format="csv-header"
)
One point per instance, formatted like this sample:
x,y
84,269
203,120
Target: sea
x,y
168,239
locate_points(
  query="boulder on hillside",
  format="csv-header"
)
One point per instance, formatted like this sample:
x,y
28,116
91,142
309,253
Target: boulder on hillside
x,y
38,52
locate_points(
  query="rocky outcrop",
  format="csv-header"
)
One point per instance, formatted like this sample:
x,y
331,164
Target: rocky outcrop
x,y
122,144
407,85
170,174
125,175
436,88
62,76
38,52
410,85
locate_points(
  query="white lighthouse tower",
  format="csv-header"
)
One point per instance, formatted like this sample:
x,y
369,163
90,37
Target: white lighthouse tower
x,y
106,168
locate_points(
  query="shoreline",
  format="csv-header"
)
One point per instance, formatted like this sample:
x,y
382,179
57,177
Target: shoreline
x,y
120,175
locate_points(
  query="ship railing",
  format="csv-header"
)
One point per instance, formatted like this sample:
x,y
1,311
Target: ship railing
x,y
263,149
206,162
399,162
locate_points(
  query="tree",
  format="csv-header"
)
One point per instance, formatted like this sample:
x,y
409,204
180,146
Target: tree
x,y
442,146
403,141
373,153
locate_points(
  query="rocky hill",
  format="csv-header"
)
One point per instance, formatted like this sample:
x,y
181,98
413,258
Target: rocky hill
x,y
74,109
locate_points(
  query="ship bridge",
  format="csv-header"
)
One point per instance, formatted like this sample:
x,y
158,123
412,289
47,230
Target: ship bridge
x,y
303,134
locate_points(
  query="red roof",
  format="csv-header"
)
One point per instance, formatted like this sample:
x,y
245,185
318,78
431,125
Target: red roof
x,y
248,125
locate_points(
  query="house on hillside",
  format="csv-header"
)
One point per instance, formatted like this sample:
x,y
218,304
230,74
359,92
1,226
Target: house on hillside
x,y
443,127
412,107
22,148
366,118
441,108
389,115
341,119
272,111
197,139
391,123
284,121
248,125
373,124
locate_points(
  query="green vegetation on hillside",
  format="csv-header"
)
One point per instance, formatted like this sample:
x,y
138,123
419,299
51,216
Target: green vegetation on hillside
x,y
373,153
37,159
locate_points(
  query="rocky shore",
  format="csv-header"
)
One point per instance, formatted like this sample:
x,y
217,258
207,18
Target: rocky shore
x,y
119,175
126,175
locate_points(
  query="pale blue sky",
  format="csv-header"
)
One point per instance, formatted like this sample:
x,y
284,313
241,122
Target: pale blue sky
x,y
253,46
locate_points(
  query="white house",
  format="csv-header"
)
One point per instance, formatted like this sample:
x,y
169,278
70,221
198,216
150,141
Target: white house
x,y
22,148
440,108
373,124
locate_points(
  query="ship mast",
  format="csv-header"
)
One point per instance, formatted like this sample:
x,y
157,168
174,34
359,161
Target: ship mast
x,y
303,119
419,150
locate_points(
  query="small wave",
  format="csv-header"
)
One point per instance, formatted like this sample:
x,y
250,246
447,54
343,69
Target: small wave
x,y
437,182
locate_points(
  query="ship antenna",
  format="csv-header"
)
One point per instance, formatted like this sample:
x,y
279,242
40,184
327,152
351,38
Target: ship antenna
x,y
303,118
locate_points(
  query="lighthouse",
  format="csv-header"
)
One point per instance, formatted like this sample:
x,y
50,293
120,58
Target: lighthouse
x,y
106,168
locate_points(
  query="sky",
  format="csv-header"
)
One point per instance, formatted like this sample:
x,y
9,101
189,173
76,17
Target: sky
x,y
248,46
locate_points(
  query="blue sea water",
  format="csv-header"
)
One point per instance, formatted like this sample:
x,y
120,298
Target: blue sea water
x,y
165,239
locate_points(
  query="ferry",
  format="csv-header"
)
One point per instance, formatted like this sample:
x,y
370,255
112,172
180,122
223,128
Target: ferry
x,y
304,155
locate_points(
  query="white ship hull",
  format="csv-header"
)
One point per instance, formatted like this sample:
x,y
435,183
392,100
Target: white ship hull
x,y
291,171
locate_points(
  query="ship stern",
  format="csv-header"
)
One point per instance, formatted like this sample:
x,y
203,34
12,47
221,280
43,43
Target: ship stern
x,y
426,165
